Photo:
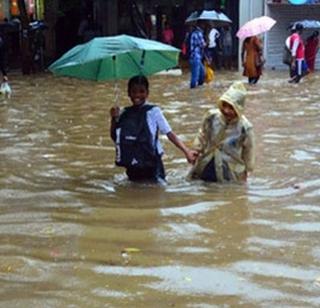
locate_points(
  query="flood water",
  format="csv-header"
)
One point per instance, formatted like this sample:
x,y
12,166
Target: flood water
x,y
75,233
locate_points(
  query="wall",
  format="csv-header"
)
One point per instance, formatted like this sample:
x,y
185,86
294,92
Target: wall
x,y
250,9
106,12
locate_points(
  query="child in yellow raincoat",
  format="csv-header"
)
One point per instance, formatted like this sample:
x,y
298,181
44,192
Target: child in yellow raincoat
x,y
225,141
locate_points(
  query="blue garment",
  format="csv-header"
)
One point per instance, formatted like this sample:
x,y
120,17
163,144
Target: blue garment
x,y
197,44
197,72
301,67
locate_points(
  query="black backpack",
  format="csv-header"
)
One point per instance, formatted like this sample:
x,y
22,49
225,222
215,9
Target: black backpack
x,y
286,55
134,145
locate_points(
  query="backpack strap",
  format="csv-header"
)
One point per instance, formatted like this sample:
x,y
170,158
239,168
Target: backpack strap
x,y
146,108
142,110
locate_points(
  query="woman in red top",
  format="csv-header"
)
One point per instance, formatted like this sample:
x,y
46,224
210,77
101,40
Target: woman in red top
x,y
311,49
167,34
298,63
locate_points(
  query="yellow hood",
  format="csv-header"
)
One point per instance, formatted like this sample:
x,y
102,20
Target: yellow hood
x,y
235,96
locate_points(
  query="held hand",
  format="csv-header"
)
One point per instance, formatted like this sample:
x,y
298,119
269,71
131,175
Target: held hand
x,y
114,112
244,176
192,156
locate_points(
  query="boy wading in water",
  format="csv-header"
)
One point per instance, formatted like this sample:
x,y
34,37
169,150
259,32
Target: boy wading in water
x,y
135,133
225,142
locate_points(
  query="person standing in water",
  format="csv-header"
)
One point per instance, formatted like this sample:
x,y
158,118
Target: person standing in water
x,y
196,54
2,59
135,133
225,142
312,47
251,56
298,63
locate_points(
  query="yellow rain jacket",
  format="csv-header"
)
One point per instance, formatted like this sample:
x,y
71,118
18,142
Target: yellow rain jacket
x,y
226,150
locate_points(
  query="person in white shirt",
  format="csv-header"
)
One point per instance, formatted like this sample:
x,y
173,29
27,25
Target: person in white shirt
x,y
135,133
213,47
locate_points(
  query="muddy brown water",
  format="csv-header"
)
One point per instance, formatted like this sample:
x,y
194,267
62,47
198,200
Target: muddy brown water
x,y
75,233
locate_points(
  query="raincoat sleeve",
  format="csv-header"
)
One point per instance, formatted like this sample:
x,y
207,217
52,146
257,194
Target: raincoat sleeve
x,y
248,154
202,138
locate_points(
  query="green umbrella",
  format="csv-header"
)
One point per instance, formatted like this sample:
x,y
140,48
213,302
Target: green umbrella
x,y
115,57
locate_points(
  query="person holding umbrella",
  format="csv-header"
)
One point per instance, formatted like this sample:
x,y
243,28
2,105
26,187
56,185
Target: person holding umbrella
x,y
251,56
128,57
298,64
196,53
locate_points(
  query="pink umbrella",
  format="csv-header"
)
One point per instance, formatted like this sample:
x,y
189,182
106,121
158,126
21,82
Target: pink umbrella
x,y
256,26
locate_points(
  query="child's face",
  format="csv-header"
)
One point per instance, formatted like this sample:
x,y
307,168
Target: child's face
x,y
228,112
138,94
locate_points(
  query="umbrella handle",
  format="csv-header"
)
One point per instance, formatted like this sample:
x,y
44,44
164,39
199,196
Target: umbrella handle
x,y
116,94
142,61
116,89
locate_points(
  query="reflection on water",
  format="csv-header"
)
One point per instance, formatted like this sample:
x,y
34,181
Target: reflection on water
x,y
67,214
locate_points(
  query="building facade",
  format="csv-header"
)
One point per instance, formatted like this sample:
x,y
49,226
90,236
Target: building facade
x,y
146,18
285,13
9,9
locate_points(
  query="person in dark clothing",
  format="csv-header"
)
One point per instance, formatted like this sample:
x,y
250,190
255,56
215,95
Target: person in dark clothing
x,y
2,59
135,133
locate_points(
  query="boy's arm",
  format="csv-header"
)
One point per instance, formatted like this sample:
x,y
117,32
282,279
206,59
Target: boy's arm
x,y
190,154
165,129
201,139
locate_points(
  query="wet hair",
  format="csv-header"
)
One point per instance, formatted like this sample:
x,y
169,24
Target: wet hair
x,y
138,80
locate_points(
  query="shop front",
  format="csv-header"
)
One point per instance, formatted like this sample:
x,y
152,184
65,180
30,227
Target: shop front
x,y
35,8
285,13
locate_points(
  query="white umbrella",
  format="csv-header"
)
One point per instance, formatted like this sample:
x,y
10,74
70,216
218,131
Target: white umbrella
x,y
307,24
255,26
192,17
217,17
